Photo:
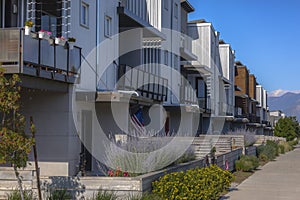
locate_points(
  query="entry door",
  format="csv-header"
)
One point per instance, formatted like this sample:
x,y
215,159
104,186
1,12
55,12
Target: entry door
x,y
11,12
87,139
201,92
167,124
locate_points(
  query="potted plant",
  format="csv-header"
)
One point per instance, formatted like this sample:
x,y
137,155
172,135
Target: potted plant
x,y
28,26
44,34
71,41
60,41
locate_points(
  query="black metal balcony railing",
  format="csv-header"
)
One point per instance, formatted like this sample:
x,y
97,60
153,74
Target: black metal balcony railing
x,y
205,103
148,85
30,55
251,117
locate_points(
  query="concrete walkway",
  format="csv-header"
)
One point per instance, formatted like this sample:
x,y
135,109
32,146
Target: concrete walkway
x,y
275,180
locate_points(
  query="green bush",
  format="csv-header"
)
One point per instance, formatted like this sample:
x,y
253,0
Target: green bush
x,y
263,157
274,145
270,150
16,195
247,163
293,142
201,183
104,195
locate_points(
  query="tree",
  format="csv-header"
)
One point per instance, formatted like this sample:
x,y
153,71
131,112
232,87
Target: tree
x,y
288,128
15,145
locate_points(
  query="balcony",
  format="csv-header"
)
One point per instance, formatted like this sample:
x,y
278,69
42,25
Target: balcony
x,y
187,95
238,111
205,103
226,109
136,13
133,79
251,117
186,48
36,57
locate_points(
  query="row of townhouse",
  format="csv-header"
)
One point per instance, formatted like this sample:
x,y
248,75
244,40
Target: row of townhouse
x,y
138,68
251,104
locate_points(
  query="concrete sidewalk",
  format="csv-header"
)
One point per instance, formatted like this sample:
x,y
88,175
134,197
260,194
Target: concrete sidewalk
x,y
275,180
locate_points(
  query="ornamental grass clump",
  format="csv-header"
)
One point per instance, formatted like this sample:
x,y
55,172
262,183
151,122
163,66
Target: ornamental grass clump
x,y
16,195
287,147
269,151
104,195
147,155
247,163
202,183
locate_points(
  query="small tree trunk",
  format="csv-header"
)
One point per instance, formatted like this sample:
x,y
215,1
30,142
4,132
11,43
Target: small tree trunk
x,y
19,182
36,160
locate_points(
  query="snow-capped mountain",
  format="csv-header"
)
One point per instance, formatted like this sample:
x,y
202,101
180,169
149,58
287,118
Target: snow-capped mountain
x,y
278,93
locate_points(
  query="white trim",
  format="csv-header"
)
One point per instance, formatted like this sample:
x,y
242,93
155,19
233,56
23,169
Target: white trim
x,y
108,26
87,14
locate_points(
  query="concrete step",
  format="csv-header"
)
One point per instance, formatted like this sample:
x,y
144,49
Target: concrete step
x,y
9,174
3,197
5,184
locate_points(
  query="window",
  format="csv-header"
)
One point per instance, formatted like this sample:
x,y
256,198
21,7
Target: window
x,y
166,58
166,4
108,26
84,20
176,11
176,64
200,88
49,23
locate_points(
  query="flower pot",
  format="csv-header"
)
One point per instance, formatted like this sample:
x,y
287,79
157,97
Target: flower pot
x,y
51,41
44,35
60,41
34,35
71,45
27,30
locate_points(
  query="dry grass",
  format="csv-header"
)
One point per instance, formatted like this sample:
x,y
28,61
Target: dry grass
x,y
240,176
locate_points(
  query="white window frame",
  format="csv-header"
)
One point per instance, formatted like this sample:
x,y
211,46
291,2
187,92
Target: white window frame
x,y
84,23
176,66
107,26
166,57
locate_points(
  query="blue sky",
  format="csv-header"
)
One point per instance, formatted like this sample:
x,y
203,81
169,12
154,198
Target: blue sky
x,y
264,33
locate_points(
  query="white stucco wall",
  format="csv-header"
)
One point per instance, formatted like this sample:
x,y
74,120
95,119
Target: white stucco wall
x,y
56,136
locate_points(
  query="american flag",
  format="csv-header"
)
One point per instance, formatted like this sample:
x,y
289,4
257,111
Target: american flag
x,y
137,122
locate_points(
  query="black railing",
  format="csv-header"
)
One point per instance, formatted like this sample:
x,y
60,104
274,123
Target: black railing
x,y
38,57
205,103
251,117
148,85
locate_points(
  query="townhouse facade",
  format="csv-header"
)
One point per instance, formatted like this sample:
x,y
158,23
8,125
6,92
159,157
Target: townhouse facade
x,y
275,115
251,107
262,111
138,68
215,67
